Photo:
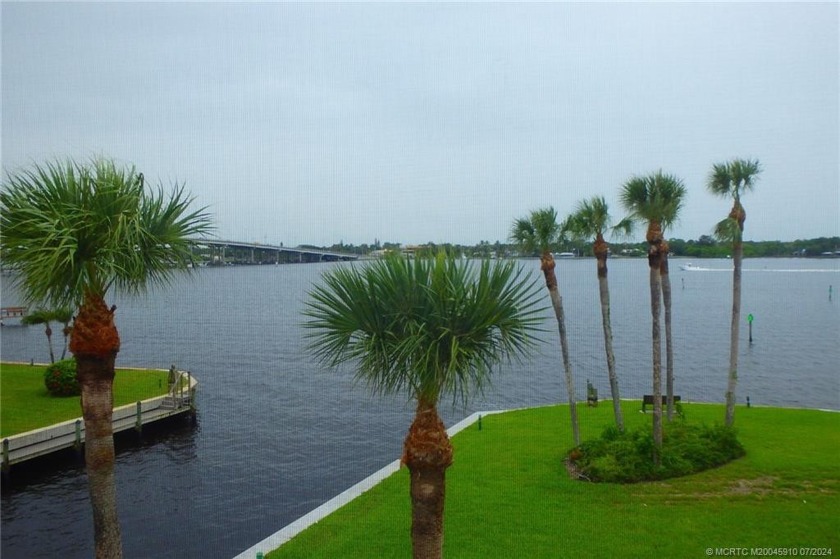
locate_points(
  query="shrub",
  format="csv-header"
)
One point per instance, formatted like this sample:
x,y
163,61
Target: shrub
x,y
627,457
60,378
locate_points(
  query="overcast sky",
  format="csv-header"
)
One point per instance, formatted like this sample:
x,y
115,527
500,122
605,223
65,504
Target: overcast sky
x,y
317,123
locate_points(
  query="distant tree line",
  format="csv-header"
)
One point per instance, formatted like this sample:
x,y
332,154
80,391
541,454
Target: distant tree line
x,y
704,247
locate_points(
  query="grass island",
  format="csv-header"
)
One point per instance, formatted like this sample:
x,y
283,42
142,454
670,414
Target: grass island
x,y
25,403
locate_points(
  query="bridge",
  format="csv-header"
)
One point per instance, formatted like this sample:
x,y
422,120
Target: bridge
x,y
223,253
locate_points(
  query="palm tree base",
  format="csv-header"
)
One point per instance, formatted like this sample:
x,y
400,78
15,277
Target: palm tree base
x,y
428,453
427,445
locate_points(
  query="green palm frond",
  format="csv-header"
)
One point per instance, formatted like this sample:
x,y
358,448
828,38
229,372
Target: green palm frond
x,y
727,230
623,229
63,315
720,180
590,219
745,172
733,178
427,326
71,228
42,316
656,197
38,316
524,234
538,232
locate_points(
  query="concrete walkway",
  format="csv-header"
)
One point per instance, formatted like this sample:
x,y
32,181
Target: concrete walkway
x,y
279,538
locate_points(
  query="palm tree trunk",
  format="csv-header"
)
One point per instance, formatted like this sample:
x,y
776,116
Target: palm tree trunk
x,y
547,265
734,334
97,404
95,343
48,332
66,332
600,250
654,237
428,453
665,279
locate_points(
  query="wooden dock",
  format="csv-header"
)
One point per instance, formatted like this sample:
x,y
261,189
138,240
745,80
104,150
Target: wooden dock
x,y
71,434
12,312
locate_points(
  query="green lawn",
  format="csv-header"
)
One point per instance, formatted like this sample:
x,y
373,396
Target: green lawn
x,y
25,403
508,494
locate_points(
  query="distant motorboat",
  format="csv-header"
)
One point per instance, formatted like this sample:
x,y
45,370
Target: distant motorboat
x,y
690,267
566,255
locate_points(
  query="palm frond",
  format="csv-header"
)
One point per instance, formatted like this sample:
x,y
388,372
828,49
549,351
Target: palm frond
x,y
719,182
657,197
733,178
727,230
71,228
38,316
428,326
538,232
590,219
623,229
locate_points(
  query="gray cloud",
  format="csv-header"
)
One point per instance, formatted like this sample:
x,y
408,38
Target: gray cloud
x,y
313,123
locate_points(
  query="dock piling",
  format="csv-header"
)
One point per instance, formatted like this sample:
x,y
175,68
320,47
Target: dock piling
x,y
77,444
138,424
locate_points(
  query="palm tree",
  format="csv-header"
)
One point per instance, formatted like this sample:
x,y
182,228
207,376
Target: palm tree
x,y
44,316
538,233
656,200
428,327
732,179
592,219
74,231
41,316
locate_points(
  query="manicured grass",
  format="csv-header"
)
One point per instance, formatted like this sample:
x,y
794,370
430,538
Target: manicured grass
x,y
25,403
509,495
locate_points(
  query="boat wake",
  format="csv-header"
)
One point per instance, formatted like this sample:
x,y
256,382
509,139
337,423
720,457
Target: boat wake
x,y
691,268
804,270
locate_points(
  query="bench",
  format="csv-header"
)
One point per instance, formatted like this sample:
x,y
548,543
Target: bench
x,y
647,400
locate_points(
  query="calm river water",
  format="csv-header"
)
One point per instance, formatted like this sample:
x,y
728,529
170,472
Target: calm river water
x,y
277,435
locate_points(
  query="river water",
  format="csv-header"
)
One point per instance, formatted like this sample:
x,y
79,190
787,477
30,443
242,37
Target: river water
x,y
277,434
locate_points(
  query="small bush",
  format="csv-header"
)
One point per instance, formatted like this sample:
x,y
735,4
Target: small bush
x,y
627,457
60,378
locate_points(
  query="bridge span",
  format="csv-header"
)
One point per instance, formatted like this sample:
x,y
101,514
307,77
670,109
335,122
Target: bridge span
x,y
222,253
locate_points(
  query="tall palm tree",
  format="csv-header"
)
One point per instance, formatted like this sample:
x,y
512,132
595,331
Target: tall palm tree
x,y
42,316
591,219
539,232
74,231
656,200
732,179
428,327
